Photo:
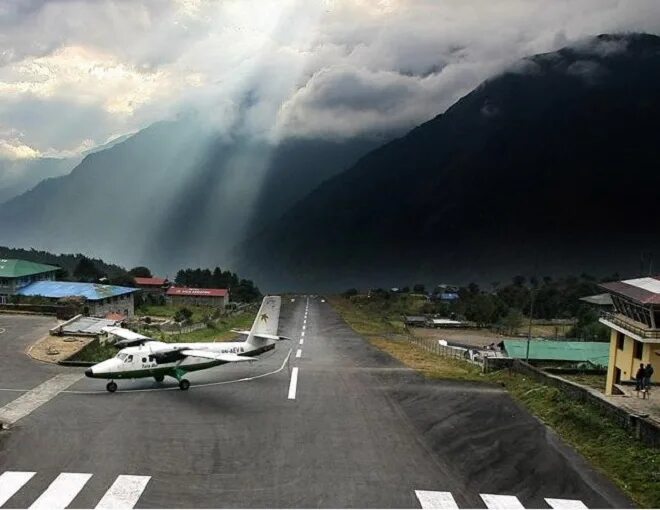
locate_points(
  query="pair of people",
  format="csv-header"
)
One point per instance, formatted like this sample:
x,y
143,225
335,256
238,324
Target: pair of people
x,y
643,379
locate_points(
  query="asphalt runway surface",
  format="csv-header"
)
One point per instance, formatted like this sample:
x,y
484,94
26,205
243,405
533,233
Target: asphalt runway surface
x,y
326,422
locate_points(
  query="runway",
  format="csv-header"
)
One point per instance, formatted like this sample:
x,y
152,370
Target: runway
x,y
325,420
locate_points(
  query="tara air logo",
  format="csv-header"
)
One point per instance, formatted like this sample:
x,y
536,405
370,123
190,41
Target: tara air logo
x,y
264,317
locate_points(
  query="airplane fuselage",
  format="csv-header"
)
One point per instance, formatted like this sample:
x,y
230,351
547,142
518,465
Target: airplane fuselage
x,y
148,360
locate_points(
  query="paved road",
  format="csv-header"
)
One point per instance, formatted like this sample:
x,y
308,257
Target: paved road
x,y
357,430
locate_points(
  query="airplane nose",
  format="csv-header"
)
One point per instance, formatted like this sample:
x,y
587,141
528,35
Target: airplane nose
x,y
88,372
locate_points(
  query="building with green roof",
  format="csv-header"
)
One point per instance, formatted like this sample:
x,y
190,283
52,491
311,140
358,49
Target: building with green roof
x,y
595,353
16,274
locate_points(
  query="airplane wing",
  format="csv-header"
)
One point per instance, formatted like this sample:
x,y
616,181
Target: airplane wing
x,y
228,357
128,337
260,335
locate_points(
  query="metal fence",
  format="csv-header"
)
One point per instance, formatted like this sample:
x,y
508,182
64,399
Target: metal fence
x,y
446,351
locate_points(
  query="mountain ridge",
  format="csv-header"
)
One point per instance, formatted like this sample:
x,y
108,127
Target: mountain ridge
x,y
452,198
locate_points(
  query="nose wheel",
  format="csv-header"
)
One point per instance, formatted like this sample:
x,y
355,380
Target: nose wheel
x,y
111,386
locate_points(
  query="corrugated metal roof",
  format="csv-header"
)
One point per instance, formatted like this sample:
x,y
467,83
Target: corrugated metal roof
x,y
187,291
90,291
88,326
642,290
15,268
150,281
552,350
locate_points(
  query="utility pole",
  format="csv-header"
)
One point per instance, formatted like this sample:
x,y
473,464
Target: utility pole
x,y
529,329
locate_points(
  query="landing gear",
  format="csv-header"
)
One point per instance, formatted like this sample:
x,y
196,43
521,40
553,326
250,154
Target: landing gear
x,y
111,386
159,378
184,384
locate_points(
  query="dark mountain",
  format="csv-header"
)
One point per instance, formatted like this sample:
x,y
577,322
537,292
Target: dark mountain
x,y
549,168
18,176
173,195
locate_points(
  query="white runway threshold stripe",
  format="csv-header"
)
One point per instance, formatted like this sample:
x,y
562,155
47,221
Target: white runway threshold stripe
x,y
495,501
293,384
124,493
62,491
36,397
569,504
11,482
436,499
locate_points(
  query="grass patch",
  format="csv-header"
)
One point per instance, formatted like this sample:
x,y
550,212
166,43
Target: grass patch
x,y
199,313
95,352
595,381
633,466
429,364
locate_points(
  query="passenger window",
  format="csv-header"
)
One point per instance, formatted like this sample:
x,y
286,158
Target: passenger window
x,y
151,358
144,360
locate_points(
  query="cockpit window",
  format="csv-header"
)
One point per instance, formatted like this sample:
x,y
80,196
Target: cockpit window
x,y
130,358
122,356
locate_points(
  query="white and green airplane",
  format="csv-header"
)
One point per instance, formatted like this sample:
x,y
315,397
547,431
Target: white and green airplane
x,y
144,357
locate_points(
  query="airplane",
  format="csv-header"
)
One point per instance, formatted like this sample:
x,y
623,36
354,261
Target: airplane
x,y
145,357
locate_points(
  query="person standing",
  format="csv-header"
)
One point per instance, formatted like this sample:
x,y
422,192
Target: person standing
x,y
648,373
639,379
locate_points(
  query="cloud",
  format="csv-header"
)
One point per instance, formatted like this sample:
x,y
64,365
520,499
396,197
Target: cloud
x,y
13,149
333,68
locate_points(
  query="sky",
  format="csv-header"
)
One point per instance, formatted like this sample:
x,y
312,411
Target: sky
x,y
75,74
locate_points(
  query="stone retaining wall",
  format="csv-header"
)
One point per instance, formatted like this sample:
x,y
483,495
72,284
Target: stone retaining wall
x,y
644,429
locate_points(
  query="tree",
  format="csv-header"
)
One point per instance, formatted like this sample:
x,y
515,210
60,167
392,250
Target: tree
x,y
86,271
349,293
511,321
183,315
419,288
481,309
140,272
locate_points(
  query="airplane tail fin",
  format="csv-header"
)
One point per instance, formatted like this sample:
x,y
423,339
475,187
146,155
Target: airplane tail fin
x,y
264,328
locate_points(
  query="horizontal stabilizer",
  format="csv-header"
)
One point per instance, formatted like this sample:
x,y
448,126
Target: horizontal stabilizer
x,y
227,357
128,337
271,337
260,335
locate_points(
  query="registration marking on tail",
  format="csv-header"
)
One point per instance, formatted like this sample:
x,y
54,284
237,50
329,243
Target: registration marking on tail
x,y
11,482
293,384
124,492
62,491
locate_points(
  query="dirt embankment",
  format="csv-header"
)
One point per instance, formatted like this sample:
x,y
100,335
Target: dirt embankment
x,y
53,349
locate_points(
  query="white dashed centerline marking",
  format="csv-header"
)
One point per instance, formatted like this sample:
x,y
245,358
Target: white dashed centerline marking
x,y
301,340
436,499
125,492
293,384
11,482
62,491
299,353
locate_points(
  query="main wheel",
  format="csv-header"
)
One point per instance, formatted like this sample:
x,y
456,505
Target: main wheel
x,y
111,386
184,384
159,378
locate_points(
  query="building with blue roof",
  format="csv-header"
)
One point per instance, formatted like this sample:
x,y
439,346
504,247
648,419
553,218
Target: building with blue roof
x,y
100,299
